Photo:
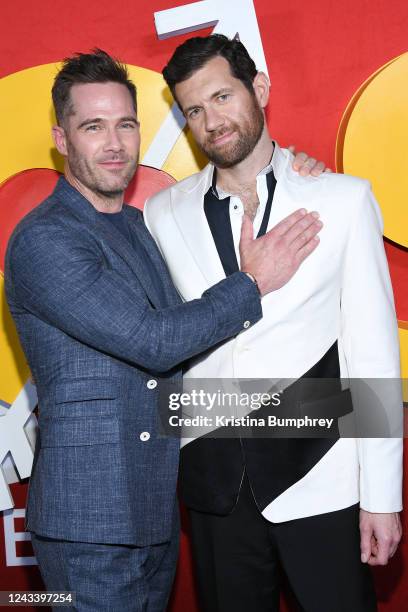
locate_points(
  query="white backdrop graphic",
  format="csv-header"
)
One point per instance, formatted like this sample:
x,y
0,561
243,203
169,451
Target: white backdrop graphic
x,y
17,436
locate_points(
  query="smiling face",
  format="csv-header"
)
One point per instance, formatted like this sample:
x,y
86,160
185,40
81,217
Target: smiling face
x,y
225,118
100,138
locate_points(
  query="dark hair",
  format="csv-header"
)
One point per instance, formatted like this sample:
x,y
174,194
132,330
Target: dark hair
x,y
95,67
197,51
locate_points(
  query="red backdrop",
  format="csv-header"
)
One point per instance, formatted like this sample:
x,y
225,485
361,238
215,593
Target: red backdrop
x,y
318,53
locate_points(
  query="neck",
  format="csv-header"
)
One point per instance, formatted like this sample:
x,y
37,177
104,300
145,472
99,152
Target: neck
x,y
245,172
101,203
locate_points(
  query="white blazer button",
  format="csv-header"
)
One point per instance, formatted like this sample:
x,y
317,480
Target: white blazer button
x,y
144,436
151,384
247,324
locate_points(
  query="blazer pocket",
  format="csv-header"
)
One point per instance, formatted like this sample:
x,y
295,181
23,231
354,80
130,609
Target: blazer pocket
x,y
79,432
90,397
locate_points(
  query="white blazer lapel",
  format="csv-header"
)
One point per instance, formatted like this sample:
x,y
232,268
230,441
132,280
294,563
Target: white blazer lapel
x,y
188,209
288,196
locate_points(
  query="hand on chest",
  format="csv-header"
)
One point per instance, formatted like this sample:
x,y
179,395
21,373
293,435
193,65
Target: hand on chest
x,y
319,268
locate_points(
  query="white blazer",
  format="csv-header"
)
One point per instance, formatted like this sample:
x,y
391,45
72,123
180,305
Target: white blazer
x,y
342,292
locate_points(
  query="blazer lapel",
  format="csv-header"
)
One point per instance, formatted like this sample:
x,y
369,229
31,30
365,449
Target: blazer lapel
x,y
103,228
141,233
288,197
188,211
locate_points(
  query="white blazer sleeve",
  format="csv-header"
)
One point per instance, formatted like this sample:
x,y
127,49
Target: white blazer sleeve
x,y
370,342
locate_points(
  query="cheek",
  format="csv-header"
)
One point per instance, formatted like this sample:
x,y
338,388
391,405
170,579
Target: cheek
x,y
135,141
131,141
237,115
90,149
197,131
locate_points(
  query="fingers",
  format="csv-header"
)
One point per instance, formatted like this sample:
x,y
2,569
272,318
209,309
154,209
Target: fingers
x,y
247,231
305,236
310,163
306,165
380,551
317,169
247,235
384,546
299,161
295,233
365,543
299,233
305,251
288,222
380,535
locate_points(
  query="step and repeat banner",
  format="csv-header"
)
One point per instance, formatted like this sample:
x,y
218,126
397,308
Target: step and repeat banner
x,y
339,90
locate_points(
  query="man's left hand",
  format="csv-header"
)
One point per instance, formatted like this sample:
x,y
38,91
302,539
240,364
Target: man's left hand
x,y
380,535
306,165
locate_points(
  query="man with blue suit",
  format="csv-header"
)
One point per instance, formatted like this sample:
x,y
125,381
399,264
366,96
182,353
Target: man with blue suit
x,y
103,329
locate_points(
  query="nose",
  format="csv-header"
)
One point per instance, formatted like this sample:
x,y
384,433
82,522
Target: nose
x,y
213,119
113,141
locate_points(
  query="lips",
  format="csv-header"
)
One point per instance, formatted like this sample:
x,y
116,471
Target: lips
x,y
113,164
221,138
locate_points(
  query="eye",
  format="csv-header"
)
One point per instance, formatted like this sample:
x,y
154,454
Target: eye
x,y
193,113
223,97
128,125
93,127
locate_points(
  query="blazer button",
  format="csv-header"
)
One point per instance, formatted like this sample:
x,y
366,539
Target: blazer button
x,y
247,324
151,384
144,436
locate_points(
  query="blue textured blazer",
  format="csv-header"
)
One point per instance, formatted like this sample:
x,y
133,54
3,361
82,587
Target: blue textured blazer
x,y
100,339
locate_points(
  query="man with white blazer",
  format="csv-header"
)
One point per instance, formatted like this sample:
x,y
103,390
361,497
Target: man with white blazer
x,y
323,508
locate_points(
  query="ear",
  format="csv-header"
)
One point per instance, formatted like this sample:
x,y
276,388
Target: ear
x,y
261,87
60,139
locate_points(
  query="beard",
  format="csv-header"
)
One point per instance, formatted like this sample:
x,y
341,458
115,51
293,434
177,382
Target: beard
x,y
249,132
108,184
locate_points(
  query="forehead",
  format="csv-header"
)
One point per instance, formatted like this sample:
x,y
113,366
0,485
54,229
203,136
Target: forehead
x,y
101,99
213,76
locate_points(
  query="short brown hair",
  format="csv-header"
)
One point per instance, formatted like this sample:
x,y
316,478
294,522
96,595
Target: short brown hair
x,y
95,67
195,52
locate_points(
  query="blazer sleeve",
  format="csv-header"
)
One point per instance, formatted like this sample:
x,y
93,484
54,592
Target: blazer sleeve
x,y
370,340
66,283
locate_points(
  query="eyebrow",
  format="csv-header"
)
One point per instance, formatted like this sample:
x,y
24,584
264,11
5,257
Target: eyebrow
x,y
99,120
219,92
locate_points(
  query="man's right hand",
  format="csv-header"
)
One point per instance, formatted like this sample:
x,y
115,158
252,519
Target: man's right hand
x,y
274,258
